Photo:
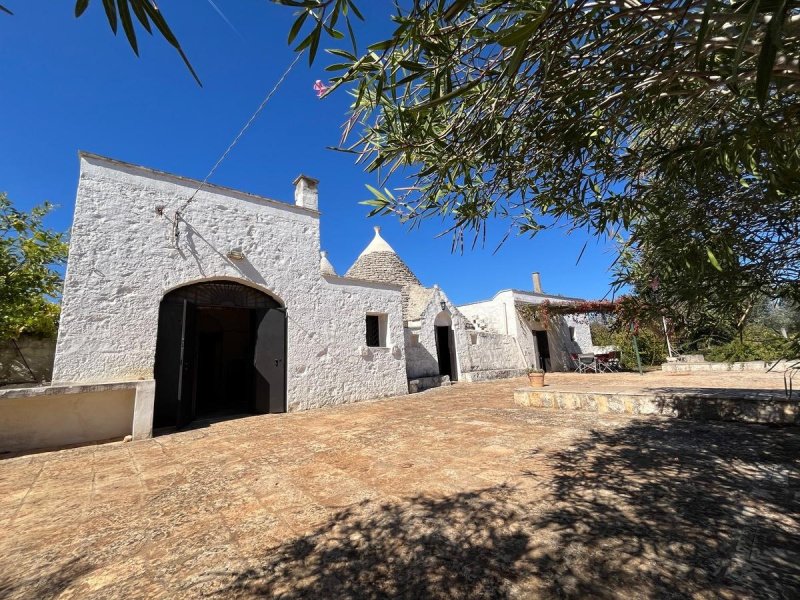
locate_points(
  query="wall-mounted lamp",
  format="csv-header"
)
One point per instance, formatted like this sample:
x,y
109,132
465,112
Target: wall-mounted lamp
x,y
443,304
235,254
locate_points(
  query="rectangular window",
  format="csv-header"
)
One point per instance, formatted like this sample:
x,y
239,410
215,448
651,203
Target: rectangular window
x,y
571,334
376,330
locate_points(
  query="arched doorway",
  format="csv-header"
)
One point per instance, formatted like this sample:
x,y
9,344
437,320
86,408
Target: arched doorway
x,y
220,351
445,345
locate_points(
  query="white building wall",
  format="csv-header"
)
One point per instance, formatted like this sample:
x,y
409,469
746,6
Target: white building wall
x,y
558,334
123,259
487,316
420,361
494,352
500,315
421,353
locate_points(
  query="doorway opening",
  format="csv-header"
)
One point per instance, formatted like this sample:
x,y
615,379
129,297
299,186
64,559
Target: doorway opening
x,y
220,352
445,346
543,348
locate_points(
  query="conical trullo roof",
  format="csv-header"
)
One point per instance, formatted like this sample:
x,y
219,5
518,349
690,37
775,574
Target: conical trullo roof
x,y
325,266
379,262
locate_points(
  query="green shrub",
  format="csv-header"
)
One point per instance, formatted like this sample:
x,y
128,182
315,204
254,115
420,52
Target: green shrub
x,y
651,341
757,343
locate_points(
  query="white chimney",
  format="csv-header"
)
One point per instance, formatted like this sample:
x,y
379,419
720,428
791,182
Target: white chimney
x,y
305,192
537,282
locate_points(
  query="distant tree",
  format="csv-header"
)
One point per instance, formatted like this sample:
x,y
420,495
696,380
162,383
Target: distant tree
x,y
781,316
29,253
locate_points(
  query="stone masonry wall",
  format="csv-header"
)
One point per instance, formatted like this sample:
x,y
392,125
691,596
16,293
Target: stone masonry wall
x,y
494,352
419,364
123,260
487,316
38,357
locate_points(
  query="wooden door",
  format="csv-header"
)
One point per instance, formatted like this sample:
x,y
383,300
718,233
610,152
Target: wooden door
x,y
187,384
174,364
269,361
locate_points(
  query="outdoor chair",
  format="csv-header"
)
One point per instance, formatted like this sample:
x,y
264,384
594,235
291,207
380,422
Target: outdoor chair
x,y
605,363
587,363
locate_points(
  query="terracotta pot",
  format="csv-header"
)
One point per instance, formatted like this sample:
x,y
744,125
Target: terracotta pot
x,y
536,379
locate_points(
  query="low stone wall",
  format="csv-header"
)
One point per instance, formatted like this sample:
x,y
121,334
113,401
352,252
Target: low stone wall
x,y
474,376
713,405
753,365
35,364
56,416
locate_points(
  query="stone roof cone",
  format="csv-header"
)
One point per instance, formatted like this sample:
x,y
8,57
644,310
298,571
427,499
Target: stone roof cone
x,y
379,262
325,266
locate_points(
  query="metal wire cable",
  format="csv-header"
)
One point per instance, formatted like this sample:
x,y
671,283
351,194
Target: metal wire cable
x,y
230,147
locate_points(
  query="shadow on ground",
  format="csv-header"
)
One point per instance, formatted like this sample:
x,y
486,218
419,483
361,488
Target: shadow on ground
x,y
657,508
460,546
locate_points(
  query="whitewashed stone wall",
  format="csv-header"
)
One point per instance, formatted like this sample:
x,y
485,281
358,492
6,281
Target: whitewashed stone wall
x,y
419,355
499,315
420,361
487,316
494,352
123,259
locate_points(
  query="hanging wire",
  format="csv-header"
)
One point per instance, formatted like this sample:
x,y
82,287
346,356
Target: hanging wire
x,y
230,147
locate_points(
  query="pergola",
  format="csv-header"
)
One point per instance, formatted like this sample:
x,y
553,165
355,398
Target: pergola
x,y
624,308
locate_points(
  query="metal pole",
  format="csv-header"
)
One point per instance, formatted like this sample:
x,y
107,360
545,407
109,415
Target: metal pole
x,y
666,333
636,351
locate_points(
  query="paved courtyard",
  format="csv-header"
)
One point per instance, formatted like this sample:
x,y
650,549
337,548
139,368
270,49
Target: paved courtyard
x,y
449,493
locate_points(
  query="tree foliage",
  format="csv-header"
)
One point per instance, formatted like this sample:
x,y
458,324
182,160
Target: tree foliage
x,y
671,122
123,12
29,251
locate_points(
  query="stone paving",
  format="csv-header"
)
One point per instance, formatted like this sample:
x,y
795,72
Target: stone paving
x,y
450,493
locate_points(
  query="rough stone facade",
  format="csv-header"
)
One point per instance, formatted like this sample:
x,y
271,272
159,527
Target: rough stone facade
x,y
421,358
137,236
125,255
566,335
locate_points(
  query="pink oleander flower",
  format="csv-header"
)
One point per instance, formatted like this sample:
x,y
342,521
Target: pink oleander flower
x,y
320,88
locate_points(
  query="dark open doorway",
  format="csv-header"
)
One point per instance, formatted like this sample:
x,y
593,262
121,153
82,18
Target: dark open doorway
x,y
444,352
221,351
543,346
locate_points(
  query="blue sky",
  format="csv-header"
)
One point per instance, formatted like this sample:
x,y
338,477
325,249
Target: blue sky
x,y
68,84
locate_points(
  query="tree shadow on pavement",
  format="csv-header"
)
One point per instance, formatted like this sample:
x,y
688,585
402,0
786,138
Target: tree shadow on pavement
x,y
461,546
656,508
673,508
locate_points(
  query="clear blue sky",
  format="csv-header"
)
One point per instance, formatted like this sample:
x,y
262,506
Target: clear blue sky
x,y
69,84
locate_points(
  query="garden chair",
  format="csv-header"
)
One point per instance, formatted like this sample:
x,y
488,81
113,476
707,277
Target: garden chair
x,y
586,363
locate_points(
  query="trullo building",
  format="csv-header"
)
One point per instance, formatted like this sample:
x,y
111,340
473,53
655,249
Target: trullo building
x,y
225,299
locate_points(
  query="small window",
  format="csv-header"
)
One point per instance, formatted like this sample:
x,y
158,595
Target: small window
x,y
414,339
473,338
571,334
376,330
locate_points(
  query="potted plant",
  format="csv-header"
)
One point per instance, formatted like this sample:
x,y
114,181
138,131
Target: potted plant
x,y
536,377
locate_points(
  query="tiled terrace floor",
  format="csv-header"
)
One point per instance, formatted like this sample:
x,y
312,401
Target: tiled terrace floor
x,y
450,493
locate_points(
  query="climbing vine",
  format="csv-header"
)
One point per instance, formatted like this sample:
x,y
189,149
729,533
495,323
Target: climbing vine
x,y
625,309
